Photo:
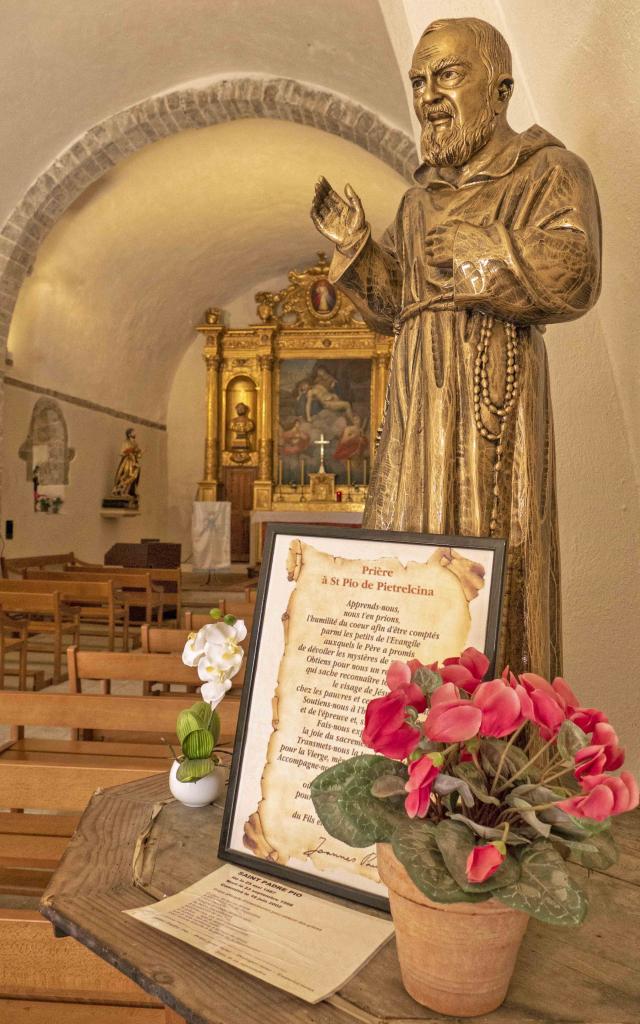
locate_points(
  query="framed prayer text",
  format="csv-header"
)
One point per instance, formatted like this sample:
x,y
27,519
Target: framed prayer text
x,y
334,608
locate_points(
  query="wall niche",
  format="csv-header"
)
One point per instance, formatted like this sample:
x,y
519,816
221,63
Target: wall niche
x,y
46,446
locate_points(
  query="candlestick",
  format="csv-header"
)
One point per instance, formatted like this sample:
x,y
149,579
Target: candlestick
x,y
348,472
364,473
302,470
280,473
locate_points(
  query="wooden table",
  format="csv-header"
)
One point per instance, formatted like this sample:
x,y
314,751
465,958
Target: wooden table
x,y
588,975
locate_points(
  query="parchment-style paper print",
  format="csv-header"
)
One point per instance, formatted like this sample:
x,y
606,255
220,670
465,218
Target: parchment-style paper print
x,y
345,621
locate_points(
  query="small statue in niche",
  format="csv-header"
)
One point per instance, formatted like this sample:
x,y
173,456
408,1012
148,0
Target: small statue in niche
x,y
127,478
242,427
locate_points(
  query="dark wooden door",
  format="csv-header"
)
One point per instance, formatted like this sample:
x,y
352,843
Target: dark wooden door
x,y
237,487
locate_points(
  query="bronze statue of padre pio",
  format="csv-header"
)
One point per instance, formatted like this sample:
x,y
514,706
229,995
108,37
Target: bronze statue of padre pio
x,y
499,236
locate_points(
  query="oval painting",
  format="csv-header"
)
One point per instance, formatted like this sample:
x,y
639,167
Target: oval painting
x,y
323,296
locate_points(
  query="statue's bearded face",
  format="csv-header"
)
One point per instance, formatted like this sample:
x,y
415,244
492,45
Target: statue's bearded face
x,y
451,97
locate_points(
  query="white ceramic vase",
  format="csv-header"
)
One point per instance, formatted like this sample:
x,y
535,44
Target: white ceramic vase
x,y
200,793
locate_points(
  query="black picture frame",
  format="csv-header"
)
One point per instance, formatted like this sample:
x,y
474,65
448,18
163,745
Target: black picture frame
x,y
249,860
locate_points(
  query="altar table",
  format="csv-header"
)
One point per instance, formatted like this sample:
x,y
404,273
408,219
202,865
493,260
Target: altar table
x,y
331,517
587,975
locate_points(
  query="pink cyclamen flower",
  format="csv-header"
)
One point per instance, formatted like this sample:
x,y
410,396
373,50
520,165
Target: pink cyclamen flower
x,y
385,727
484,861
564,695
548,713
467,671
504,708
602,754
422,775
399,678
451,718
587,718
605,796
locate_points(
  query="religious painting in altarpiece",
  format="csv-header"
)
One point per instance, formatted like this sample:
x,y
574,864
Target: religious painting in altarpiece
x,y
294,401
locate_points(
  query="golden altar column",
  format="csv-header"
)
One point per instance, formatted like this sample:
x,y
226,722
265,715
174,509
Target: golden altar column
x,y
213,332
263,486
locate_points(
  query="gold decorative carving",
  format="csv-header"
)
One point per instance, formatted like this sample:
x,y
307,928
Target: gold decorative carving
x,y
310,300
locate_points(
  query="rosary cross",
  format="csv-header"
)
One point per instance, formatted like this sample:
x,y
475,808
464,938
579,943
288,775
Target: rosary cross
x,y
323,444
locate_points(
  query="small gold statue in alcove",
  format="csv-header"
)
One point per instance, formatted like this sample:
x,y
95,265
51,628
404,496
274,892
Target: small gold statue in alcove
x,y
500,236
242,427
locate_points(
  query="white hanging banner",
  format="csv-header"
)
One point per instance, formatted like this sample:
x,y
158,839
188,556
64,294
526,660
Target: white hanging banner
x,y
211,534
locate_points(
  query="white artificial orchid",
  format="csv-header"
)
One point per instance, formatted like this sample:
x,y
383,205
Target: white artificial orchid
x,y
216,652
213,691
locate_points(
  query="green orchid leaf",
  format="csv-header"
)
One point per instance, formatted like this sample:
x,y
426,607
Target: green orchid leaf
x,y
191,771
488,833
544,888
187,723
570,740
198,744
414,844
343,799
476,782
597,851
455,842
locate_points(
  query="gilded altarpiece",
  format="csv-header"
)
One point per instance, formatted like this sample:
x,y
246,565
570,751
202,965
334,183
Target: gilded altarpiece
x,y
294,403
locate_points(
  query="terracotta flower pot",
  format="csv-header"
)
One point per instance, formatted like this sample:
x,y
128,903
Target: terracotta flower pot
x,y
456,958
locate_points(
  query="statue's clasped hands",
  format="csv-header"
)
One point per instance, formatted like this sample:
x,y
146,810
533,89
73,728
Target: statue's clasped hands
x,y
340,220
438,246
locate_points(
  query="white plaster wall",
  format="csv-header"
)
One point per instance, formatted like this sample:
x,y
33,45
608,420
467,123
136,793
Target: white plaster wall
x,y
567,58
96,438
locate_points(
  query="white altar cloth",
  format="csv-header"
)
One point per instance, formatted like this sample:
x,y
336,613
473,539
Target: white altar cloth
x,y
211,534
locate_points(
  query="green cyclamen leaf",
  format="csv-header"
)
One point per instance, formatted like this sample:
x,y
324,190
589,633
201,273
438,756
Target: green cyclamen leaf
x,y
388,785
485,832
414,844
476,782
570,740
593,851
346,806
191,771
426,679
198,744
544,888
455,842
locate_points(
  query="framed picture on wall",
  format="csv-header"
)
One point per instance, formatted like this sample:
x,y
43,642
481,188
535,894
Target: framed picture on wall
x,y
334,608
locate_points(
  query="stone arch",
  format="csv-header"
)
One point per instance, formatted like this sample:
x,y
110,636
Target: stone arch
x,y
118,136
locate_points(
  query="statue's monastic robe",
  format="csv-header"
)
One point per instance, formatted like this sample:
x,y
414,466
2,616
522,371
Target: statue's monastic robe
x,y
469,348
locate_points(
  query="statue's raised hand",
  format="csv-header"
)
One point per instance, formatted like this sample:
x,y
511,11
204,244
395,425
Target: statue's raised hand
x,y
340,220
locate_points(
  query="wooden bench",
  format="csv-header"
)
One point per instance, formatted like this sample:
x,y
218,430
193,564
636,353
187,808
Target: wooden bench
x,y
13,637
38,614
55,778
130,589
105,666
154,640
17,566
171,579
91,600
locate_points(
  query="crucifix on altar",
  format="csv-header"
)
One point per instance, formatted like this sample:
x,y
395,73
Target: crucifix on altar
x,y
323,444
322,485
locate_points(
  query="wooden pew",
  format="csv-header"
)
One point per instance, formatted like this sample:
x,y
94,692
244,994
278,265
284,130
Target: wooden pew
x,y
155,640
171,598
57,623
90,600
17,566
13,637
55,779
131,590
106,666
